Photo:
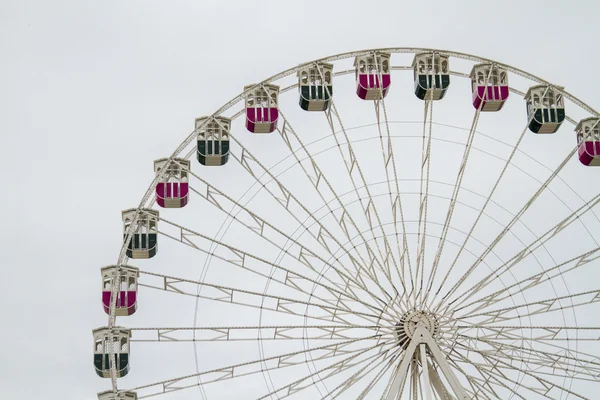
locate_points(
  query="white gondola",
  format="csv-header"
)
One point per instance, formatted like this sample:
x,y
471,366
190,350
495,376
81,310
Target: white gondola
x,y
545,108
431,75
143,243
213,140
118,339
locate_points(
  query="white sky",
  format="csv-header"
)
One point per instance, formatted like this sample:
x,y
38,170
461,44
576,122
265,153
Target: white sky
x,y
91,92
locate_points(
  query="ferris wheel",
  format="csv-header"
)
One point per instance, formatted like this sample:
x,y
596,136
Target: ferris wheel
x,y
356,227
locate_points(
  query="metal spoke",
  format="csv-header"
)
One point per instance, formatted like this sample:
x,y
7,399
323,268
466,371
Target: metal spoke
x,y
531,281
389,163
521,255
322,272
455,193
508,227
333,369
343,219
287,200
261,301
250,368
294,249
423,201
254,333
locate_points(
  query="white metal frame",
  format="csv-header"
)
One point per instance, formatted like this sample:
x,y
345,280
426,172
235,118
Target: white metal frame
x,y
345,303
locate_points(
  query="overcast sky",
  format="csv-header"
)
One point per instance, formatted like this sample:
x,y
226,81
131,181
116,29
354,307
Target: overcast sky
x,y
91,92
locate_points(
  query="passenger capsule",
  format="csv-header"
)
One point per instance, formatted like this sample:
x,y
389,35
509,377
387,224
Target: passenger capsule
x,y
213,140
262,111
315,87
119,342
126,292
588,138
373,77
110,395
172,190
143,243
489,84
431,75
545,108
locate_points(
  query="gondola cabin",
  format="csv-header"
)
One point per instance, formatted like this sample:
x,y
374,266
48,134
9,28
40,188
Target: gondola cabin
x,y
118,340
262,111
143,243
172,189
126,291
213,140
373,77
489,84
315,87
588,139
545,109
110,395
431,75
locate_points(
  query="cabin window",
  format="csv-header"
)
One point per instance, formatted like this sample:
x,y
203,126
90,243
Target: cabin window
x,y
503,78
304,78
385,66
493,77
362,66
444,66
480,78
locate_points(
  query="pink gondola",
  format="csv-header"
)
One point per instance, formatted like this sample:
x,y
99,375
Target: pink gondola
x,y
172,190
588,138
262,110
489,85
127,291
372,72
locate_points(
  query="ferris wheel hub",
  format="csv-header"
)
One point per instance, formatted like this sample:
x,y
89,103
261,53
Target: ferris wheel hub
x,y
412,320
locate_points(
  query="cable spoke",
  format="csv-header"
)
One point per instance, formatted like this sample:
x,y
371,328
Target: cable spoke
x,y
424,197
343,218
455,193
294,250
288,200
333,369
542,386
532,281
251,367
257,300
508,227
521,255
353,168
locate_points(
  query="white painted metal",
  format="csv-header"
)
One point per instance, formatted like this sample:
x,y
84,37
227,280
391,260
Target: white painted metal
x,y
412,326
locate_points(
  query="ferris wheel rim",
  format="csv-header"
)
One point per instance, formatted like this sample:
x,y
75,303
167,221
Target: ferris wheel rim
x,y
337,57
346,55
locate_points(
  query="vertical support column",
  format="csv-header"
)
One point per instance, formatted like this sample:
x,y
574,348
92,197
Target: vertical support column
x,y
426,381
